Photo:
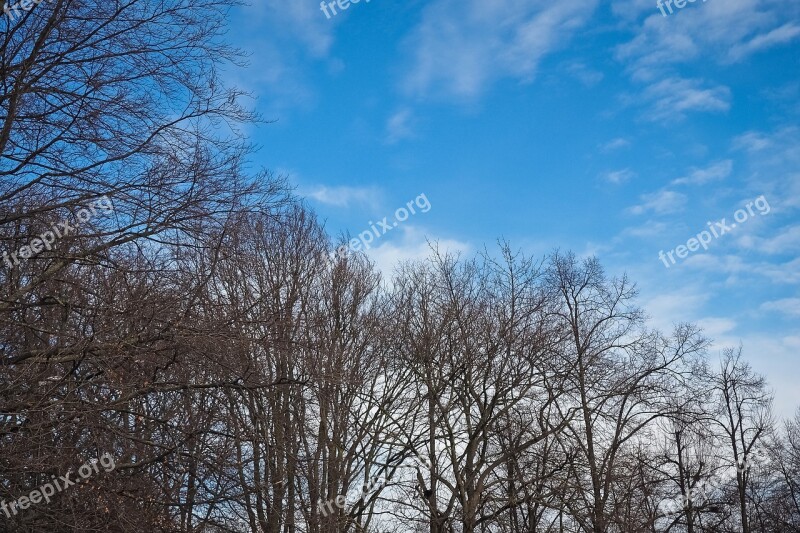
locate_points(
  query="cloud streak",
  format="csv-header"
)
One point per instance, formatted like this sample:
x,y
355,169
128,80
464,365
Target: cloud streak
x,y
660,203
461,46
343,196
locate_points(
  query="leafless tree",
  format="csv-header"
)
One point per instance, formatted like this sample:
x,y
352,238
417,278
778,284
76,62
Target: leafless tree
x,y
621,377
102,349
744,417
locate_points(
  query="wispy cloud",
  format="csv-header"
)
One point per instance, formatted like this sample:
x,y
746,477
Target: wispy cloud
x,y
669,308
672,98
587,76
631,10
724,32
772,160
343,196
645,230
778,36
786,306
615,144
462,46
752,141
716,327
284,39
700,176
660,203
414,244
300,21
784,273
785,241
399,126
619,176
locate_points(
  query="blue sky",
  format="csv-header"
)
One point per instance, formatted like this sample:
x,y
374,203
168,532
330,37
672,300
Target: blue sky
x,y
600,127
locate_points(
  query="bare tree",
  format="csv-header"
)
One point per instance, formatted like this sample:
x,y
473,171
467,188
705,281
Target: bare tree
x,y
744,417
620,377
783,507
478,339
119,153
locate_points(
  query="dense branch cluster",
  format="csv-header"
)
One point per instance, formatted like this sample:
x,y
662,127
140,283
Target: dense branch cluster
x,y
198,332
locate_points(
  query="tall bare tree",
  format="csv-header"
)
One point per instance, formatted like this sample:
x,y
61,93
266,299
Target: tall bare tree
x,y
621,376
744,417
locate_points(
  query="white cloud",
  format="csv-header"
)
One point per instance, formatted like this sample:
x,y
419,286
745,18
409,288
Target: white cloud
x,y
701,176
723,31
461,46
784,273
720,32
399,126
716,327
786,306
791,198
770,355
302,21
670,308
786,240
281,40
343,196
735,265
619,176
587,76
632,9
615,144
660,203
413,245
646,230
778,36
671,98
772,161
752,141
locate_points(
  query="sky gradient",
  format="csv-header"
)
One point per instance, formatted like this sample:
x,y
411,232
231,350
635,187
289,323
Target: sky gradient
x,y
604,128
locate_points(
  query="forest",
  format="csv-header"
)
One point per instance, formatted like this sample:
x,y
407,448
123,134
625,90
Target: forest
x,y
169,309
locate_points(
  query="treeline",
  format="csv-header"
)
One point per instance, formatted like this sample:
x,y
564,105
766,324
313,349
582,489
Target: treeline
x,y
163,306
242,380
